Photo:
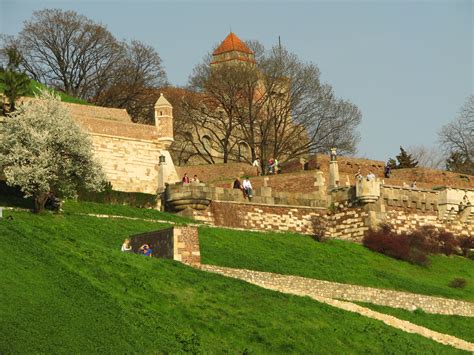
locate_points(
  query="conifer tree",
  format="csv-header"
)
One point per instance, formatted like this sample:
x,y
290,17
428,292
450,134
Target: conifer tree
x,y
405,160
15,83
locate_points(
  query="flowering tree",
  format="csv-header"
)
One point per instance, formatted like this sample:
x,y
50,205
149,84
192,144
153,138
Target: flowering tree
x,y
42,150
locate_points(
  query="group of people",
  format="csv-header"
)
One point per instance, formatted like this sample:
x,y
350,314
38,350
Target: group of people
x,y
370,176
245,186
186,179
144,250
272,166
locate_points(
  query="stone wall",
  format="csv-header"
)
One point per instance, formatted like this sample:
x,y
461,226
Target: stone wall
x,y
403,220
350,224
409,199
214,172
129,164
306,220
186,245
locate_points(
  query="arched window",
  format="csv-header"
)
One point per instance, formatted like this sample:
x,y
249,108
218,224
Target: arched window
x,y
207,143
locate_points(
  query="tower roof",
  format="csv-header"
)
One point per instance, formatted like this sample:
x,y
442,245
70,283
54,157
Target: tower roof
x,y
232,43
162,101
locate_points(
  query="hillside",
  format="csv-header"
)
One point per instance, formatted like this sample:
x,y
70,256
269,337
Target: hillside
x,y
294,179
36,86
68,288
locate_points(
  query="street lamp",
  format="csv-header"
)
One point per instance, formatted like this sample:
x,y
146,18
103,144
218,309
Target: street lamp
x,y
162,159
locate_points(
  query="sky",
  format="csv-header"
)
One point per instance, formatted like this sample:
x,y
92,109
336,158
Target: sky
x,y
408,65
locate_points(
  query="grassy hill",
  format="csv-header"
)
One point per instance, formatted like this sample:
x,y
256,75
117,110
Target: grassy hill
x,y
461,327
66,287
333,260
36,86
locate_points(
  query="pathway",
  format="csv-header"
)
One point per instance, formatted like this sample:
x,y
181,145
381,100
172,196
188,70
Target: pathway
x,y
325,292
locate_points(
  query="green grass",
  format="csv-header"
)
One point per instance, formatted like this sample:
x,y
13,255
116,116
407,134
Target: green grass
x,y
74,207
333,260
461,327
66,288
35,87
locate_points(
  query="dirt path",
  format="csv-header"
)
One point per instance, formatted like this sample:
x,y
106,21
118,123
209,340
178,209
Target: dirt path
x,y
312,288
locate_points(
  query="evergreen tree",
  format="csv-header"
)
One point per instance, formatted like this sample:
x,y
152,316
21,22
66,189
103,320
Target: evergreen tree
x,y
405,160
15,83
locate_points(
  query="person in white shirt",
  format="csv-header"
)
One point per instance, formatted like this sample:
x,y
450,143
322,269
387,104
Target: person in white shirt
x,y
247,186
126,246
370,176
256,164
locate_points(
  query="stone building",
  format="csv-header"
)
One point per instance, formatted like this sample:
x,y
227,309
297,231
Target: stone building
x,y
135,157
204,144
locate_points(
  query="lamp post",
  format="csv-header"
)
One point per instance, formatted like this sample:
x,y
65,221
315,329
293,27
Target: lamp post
x,y
162,159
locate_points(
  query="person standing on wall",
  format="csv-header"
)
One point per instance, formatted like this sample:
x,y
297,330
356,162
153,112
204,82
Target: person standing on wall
x,y
185,178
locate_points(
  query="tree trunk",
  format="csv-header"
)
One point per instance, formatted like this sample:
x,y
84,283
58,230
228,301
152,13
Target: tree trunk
x,y
40,201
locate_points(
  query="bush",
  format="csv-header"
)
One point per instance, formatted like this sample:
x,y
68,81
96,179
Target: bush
x,y
387,242
413,247
458,283
109,196
466,244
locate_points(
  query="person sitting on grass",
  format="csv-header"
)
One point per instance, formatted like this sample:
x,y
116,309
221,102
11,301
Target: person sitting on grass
x,y
126,246
145,250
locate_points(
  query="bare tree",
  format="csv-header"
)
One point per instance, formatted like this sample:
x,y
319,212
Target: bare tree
x,y
428,157
457,137
138,70
276,106
216,115
68,51
299,114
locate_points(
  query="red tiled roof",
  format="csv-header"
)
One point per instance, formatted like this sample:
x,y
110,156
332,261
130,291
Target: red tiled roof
x,y
232,43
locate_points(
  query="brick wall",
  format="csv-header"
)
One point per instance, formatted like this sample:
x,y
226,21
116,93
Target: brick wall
x,y
186,245
403,220
350,224
207,173
305,220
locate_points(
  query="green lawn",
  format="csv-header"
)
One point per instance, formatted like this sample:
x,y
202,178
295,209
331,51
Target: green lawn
x,y
75,207
333,260
66,288
36,86
461,327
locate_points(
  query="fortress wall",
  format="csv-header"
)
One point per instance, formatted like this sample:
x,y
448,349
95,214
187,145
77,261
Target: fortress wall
x,y
306,220
404,220
350,224
131,165
347,225
410,199
212,172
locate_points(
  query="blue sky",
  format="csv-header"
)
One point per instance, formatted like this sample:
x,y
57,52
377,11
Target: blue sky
x,y
408,65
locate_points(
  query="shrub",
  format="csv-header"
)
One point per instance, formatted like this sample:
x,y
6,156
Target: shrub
x,y
387,242
413,247
458,283
466,244
109,196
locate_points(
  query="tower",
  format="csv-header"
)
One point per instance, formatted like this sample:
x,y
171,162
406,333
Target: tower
x,y
164,121
232,50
